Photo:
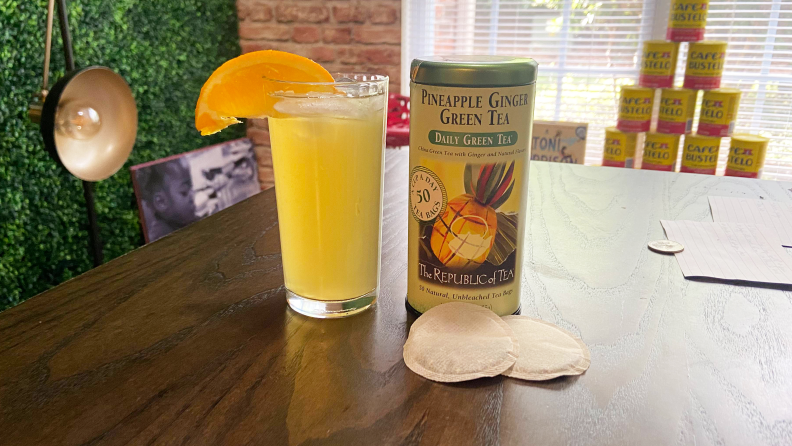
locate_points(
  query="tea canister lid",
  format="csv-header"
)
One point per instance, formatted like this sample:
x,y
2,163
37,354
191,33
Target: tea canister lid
x,y
474,71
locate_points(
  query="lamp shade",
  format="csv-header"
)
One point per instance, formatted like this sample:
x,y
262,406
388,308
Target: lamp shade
x,y
89,123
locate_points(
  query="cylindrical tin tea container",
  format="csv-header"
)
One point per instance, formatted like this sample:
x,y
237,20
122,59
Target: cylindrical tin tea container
x,y
470,132
677,107
687,20
719,112
619,148
746,156
658,64
635,109
705,65
700,154
660,152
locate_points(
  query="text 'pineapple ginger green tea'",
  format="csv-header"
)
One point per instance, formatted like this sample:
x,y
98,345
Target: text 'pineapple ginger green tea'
x,y
470,132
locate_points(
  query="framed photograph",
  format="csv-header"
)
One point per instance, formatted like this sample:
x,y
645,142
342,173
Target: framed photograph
x,y
178,190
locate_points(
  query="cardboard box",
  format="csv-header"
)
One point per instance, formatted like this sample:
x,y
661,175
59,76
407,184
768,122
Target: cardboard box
x,y
559,142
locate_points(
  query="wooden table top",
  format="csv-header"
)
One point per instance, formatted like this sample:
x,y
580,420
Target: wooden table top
x,y
189,340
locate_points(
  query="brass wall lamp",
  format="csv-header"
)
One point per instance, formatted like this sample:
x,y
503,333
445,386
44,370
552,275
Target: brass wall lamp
x,y
88,121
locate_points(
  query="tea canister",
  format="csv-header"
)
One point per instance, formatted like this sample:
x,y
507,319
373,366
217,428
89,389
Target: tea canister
x,y
471,119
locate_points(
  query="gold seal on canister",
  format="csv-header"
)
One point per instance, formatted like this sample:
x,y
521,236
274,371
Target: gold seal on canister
x,y
719,112
660,152
700,154
746,156
687,20
677,107
705,65
635,109
658,64
619,148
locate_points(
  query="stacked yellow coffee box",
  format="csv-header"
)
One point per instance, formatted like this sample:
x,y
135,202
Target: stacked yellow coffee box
x,y
676,109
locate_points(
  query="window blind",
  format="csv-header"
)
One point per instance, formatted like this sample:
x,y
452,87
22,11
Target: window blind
x,y
759,63
587,49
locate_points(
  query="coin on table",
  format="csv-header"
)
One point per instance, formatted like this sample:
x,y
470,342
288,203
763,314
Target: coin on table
x,y
666,246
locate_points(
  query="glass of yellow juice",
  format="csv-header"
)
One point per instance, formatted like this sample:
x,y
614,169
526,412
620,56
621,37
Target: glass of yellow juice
x,y
328,143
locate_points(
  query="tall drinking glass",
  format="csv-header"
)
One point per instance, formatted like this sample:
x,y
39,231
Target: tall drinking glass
x,y
328,143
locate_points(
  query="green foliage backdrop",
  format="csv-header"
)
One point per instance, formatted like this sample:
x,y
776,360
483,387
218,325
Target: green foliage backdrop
x,y
164,50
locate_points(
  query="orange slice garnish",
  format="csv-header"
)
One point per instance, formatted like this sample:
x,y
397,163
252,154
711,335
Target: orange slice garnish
x,y
238,89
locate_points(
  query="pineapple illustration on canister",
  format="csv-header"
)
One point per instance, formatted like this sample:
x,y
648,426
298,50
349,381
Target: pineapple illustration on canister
x,y
463,237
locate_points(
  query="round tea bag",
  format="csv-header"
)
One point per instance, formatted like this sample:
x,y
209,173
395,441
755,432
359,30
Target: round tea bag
x,y
546,350
458,341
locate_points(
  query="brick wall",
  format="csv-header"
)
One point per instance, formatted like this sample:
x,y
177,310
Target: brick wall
x,y
342,35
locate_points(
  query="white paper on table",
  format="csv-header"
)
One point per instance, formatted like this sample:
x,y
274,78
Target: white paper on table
x,y
775,215
730,251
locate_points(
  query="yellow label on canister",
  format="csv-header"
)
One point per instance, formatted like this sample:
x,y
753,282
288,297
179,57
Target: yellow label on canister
x,y
469,160
688,14
700,154
658,64
705,65
677,107
619,148
660,152
719,112
746,156
635,109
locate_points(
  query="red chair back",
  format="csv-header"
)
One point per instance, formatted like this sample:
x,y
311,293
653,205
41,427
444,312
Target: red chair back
x,y
398,132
